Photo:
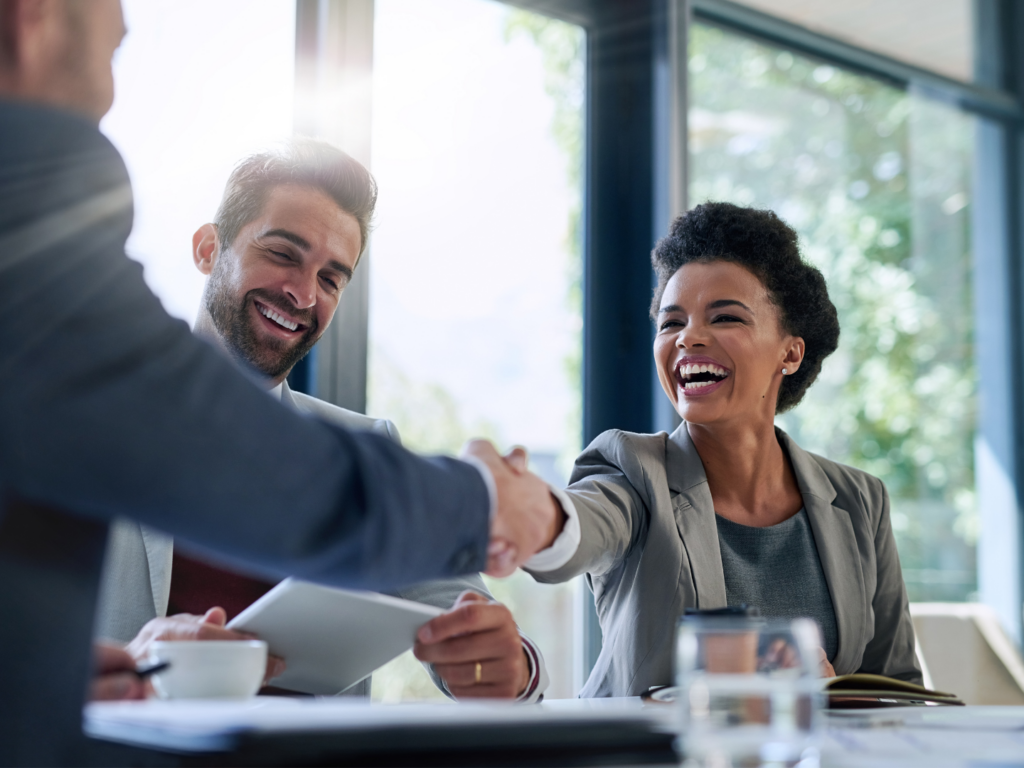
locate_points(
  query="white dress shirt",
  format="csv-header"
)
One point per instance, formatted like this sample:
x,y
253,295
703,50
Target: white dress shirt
x,y
568,541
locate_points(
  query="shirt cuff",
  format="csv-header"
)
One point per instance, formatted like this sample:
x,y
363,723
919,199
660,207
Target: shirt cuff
x,y
488,478
538,674
568,541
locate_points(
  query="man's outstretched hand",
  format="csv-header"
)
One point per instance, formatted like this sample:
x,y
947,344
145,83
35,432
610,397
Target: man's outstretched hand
x,y
528,518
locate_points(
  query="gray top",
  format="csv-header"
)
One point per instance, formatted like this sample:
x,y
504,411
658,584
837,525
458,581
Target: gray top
x,y
777,570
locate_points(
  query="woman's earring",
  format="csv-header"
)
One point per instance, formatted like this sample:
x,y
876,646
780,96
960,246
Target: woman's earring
x,y
783,371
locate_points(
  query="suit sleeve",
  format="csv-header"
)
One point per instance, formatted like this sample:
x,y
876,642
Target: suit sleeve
x,y
611,511
110,408
891,651
390,430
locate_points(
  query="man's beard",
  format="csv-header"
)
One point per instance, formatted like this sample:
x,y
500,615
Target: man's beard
x,y
272,357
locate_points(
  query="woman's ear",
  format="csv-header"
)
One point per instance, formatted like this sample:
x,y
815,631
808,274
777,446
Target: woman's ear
x,y
794,355
205,248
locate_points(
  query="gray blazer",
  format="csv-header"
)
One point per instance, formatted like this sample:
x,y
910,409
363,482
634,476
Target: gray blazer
x,y
649,547
136,581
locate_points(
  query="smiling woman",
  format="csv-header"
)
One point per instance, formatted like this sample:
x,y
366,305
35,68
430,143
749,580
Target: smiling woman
x,y
729,502
766,248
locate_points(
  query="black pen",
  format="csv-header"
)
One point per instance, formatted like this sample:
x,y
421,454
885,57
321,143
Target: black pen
x,y
143,672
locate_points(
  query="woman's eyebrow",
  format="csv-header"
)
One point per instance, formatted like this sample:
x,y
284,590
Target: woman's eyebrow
x,y
729,303
670,308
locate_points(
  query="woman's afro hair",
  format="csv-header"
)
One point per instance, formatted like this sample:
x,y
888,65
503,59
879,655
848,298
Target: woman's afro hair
x,y
764,244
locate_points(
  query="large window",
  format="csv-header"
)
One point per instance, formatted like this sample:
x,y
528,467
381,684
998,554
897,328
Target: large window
x,y
475,258
877,181
475,261
199,85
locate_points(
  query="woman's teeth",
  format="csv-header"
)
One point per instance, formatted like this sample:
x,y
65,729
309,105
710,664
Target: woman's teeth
x,y
272,315
694,376
689,370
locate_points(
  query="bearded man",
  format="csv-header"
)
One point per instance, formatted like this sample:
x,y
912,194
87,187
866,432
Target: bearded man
x,y
286,239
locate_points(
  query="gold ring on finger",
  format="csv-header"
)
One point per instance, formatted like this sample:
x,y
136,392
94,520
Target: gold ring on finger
x,y
479,671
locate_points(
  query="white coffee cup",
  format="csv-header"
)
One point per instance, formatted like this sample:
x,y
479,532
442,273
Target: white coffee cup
x,y
209,669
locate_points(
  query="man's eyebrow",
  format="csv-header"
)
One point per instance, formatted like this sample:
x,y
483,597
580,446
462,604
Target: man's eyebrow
x,y
337,266
291,237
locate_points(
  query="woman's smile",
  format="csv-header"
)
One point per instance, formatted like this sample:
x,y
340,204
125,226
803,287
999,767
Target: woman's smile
x,y
720,348
698,376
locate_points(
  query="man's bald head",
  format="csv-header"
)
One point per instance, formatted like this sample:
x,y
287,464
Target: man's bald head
x,y
58,52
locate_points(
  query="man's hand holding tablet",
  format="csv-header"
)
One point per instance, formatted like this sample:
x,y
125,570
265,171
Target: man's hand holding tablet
x,y
477,650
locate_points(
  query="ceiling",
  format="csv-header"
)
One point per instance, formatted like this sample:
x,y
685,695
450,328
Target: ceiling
x,y
931,34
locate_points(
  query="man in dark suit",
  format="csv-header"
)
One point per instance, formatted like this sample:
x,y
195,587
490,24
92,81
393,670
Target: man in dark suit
x,y
109,407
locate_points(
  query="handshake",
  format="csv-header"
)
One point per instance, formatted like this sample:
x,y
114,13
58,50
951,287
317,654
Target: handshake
x,y
528,518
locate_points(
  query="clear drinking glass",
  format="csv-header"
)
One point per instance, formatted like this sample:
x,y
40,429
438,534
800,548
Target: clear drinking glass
x,y
750,693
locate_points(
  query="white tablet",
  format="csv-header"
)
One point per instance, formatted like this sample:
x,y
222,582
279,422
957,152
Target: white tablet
x,y
331,638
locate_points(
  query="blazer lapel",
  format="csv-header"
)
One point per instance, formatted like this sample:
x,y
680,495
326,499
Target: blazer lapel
x,y
837,549
159,556
695,518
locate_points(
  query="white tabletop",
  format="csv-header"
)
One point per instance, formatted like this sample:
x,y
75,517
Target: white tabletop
x,y
925,737
199,725
905,737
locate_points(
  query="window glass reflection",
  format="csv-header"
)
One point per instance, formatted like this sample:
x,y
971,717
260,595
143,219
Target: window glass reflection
x,y
199,86
475,259
877,181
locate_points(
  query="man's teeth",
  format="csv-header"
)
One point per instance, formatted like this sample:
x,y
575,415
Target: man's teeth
x,y
269,313
687,370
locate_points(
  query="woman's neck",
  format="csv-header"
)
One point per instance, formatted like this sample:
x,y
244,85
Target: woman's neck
x,y
749,475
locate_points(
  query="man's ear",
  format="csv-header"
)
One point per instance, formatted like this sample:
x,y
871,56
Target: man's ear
x,y
794,355
205,248
10,38
23,26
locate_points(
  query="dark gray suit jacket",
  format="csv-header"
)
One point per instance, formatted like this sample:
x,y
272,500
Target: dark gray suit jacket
x,y
649,547
137,572
110,408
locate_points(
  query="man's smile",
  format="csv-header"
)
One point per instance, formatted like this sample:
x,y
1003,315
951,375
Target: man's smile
x,y
275,321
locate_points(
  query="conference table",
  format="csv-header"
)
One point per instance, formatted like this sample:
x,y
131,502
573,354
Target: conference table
x,y
277,731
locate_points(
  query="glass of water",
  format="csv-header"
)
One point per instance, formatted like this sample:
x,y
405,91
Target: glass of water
x,y
749,691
